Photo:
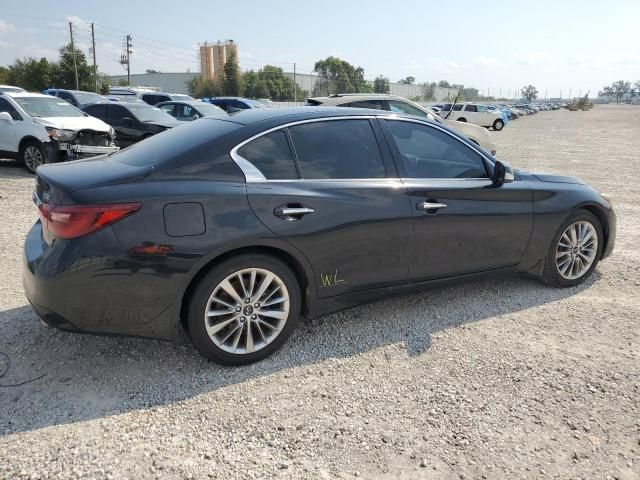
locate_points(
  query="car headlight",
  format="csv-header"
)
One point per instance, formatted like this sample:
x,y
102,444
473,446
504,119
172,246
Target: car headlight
x,y
608,198
60,134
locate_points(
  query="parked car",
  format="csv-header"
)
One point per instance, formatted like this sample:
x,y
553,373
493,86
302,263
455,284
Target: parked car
x,y
266,102
38,129
10,88
393,103
153,98
132,121
77,98
472,113
232,229
188,111
234,104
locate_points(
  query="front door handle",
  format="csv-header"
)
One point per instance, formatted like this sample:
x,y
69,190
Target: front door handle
x,y
292,212
430,205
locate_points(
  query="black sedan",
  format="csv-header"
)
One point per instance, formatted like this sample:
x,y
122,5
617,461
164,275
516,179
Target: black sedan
x,y
132,121
189,111
233,228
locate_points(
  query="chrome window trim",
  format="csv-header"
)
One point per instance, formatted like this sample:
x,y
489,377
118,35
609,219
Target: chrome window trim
x,y
254,175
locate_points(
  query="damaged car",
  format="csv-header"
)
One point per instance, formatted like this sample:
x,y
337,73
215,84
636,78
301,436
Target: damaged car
x,y
38,129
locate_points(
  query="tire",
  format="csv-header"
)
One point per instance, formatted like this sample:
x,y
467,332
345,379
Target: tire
x,y
32,155
552,267
235,318
498,125
462,119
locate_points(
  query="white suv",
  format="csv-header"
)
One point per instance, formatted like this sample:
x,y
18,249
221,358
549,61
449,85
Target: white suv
x,y
472,113
478,135
37,129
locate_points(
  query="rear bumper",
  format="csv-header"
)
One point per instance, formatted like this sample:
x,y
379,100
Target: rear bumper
x,y
72,289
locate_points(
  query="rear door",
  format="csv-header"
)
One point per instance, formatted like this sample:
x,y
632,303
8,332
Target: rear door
x,y
463,224
332,191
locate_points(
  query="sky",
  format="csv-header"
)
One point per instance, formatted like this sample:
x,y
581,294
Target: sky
x,y
495,46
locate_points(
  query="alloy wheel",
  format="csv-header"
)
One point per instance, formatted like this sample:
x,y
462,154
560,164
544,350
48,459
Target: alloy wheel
x,y
576,250
33,157
247,311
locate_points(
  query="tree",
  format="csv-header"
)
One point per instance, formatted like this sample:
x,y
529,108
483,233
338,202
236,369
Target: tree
x,y
381,84
150,70
31,74
4,75
636,88
64,75
199,87
529,92
444,84
338,76
606,92
620,88
232,82
270,82
429,91
407,80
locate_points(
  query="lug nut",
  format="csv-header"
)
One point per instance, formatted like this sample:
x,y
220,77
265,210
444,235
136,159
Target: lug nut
x,y
253,317
247,300
257,305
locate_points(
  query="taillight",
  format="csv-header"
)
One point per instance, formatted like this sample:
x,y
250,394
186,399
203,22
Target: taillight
x,y
72,221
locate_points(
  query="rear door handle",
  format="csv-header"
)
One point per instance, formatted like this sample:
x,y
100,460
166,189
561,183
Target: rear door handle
x,y
292,212
430,205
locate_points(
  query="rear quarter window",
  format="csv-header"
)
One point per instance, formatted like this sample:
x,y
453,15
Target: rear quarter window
x,y
271,155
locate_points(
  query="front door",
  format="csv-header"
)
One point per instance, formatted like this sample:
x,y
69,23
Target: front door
x,y
337,199
463,224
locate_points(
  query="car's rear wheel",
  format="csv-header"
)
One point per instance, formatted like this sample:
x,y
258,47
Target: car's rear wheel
x,y
244,309
462,119
575,250
32,155
498,125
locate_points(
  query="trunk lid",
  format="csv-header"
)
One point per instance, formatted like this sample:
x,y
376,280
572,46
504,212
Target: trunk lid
x,y
56,182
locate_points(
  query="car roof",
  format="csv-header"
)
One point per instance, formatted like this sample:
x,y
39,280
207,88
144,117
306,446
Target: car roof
x,y
254,115
195,103
25,94
337,98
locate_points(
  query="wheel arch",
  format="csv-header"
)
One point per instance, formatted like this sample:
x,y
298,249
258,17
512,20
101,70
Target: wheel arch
x,y
601,215
26,139
299,266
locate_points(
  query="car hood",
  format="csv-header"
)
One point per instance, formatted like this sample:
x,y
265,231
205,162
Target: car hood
x,y
164,123
74,123
551,178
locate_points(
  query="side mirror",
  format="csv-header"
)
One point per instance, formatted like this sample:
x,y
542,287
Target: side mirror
x,y
195,117
502,173
128,121
5,117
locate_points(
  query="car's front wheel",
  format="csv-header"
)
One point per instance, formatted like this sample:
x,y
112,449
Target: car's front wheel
x,y
575,250
498,125
32,155
244,309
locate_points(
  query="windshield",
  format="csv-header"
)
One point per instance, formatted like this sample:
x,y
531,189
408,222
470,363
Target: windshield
x,y
208,109
47,107
147,113
88,97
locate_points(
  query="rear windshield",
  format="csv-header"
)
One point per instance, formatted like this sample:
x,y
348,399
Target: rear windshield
x,y
147,113
174,142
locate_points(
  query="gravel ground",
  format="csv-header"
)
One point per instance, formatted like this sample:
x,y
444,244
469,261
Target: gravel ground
x,y
502,378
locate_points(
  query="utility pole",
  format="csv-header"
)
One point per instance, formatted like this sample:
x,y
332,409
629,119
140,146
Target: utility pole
x,y
73,51
125,57
295,85
93,53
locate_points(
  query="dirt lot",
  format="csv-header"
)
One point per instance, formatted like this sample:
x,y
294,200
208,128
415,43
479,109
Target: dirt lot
x,y
503,378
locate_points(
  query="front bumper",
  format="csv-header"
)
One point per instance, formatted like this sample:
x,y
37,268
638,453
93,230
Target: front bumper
x,y
81,151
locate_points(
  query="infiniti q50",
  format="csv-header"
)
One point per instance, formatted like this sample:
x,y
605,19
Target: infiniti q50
x,y
232,228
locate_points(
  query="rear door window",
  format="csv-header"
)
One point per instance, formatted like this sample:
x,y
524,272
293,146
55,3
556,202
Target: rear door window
x,y
98,111
66,96
471,108
271,155
7,107
401,107
336,149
